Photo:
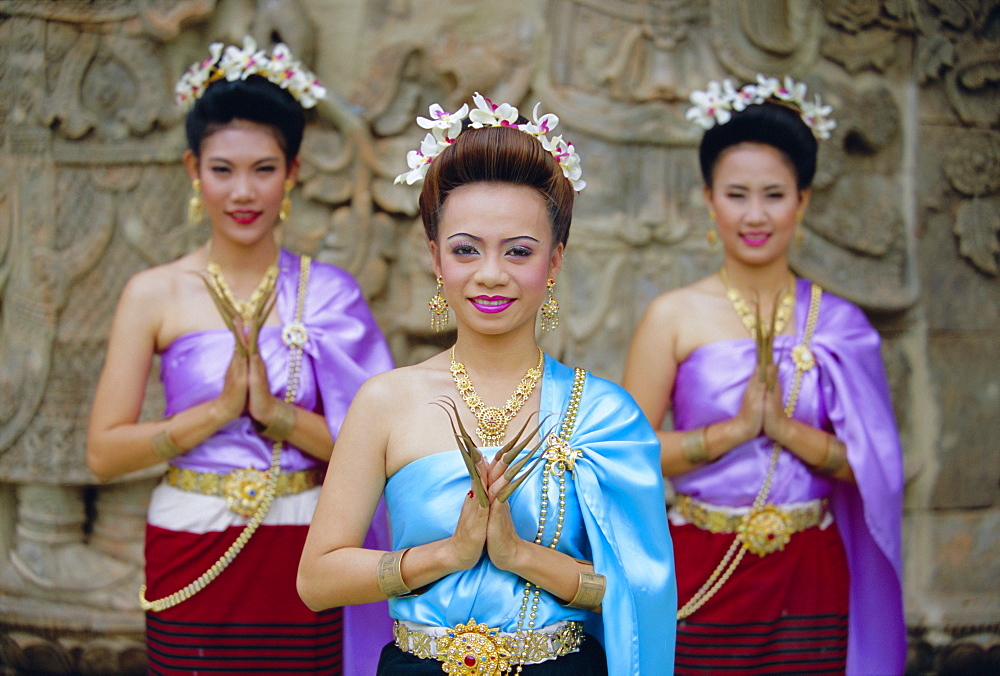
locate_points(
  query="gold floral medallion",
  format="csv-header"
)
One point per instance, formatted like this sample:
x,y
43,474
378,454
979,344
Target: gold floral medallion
x,y
473,649
803,357
294,335
765,530
561,452
244,490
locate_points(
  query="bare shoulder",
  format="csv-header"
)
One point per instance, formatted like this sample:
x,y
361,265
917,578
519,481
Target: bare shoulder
x,y
684,318
671,307
161,281
400,388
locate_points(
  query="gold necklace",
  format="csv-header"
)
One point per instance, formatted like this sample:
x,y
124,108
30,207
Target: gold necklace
x,y
249,307
747,314
492,421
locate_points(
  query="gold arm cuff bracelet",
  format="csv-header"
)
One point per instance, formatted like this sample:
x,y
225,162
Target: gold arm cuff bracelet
x,y
281,423
590,592
390,576
694,445
164,446
834,458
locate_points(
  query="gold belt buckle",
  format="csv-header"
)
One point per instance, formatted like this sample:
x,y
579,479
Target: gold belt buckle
x,y
244,490
472,649
765,530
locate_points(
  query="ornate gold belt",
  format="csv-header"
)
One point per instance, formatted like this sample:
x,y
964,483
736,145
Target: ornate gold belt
x,y
480,650
763,530
243,489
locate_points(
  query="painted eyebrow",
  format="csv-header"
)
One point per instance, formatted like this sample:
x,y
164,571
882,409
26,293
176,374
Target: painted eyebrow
x,y
266,160
740,186
504,241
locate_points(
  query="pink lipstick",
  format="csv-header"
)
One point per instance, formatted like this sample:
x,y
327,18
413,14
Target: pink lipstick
x,y
244,217
491,304
755,238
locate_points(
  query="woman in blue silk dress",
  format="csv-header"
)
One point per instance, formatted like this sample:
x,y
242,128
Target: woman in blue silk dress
x,y
786,466
573,573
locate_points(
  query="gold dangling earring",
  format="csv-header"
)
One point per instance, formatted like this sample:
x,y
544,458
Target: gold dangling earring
x,y
800,234
550,309
285,210
438,306
196,207
712,235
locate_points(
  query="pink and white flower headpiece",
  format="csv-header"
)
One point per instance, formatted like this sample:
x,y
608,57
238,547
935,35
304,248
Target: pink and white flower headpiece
x,y
716,104
445,127
233,63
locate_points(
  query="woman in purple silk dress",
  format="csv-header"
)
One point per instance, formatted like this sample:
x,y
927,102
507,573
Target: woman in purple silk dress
x,y
261,352
784,454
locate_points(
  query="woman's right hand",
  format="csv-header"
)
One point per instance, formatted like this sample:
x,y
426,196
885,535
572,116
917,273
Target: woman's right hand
x,y
469,538
749,420
232,401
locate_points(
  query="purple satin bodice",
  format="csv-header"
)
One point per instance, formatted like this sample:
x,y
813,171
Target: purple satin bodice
x,y
711,382
344,348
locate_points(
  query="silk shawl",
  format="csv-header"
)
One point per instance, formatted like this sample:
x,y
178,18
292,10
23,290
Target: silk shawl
x,y
615,517
846,394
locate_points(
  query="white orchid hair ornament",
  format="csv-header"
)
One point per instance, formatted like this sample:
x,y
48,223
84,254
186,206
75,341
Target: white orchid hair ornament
x,y
235,63
717,103
445,127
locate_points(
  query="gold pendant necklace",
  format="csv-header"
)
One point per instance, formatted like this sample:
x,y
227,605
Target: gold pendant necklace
x,y
492,421
746,313
249,307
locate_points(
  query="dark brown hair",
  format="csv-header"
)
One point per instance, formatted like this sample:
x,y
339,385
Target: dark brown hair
x,y
768,123
497,155
254,99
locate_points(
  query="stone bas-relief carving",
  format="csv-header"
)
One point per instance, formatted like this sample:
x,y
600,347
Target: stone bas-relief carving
x,y
903,222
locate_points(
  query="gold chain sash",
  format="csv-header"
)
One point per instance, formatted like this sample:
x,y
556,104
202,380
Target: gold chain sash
x,y
559,457
270,489
764,529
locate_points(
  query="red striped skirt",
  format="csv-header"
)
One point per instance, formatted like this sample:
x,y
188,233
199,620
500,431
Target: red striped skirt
x,y
783,613
249,619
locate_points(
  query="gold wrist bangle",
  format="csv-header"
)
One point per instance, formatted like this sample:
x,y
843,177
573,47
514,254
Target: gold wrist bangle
x,y
834,459
694,445
164,446
590,592
390,574
281,423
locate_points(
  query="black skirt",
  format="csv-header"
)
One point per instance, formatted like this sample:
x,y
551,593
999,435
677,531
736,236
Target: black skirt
x,y
589,660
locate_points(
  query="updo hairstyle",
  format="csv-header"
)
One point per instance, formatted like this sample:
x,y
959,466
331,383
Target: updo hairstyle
x,y
497,155
254,99
773,124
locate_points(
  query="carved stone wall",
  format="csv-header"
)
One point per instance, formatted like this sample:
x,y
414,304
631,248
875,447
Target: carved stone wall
x,y
904,221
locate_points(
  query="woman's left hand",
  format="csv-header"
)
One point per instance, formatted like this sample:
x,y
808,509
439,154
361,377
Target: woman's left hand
x,y
260,403
502,541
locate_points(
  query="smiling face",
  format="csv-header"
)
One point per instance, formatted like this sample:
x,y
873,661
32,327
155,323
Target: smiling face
x,y
243,170
756,203
494,253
